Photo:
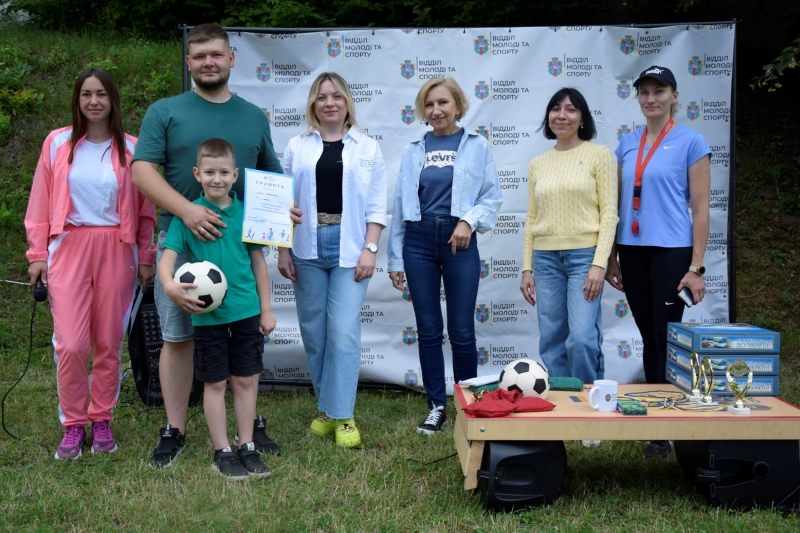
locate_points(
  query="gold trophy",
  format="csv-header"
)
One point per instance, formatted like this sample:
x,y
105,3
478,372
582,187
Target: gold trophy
x,y
707,375
738,369
694,363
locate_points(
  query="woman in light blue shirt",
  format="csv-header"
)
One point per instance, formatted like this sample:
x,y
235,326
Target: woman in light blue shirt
x,y
341,183
447,190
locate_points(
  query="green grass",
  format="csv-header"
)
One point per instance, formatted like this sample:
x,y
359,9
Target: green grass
x,y
389,485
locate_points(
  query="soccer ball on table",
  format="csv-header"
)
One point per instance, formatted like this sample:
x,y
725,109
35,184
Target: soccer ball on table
x,y
526,376
211,283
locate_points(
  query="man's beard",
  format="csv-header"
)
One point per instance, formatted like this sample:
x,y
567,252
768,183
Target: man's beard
x,y
211,86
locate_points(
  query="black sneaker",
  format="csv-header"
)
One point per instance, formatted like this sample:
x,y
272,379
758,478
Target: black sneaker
x,y
227,464
658,448
251,461
436,419
170,447
263,443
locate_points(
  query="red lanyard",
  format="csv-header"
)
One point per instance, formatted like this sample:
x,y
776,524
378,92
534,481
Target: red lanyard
x,y
640,166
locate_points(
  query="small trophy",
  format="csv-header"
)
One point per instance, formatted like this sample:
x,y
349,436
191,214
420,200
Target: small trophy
x,y
694,362
707,375
738,369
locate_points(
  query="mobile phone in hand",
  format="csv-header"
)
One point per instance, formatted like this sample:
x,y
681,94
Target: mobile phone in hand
x,y
685,294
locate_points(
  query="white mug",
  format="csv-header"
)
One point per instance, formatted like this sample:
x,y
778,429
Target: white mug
x,y
603,395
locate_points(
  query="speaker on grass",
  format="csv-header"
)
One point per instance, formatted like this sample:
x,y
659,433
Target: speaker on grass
x,y
144,348
744,473
518,474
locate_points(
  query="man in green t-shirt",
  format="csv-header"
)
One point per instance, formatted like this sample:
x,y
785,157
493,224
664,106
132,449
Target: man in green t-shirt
x,y
171,132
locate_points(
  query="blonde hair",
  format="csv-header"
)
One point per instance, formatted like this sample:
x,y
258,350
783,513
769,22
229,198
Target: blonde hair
x,y
215,147
455,90
342,88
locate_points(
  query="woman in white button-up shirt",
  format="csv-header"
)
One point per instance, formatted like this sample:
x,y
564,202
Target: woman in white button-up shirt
x,y
341,184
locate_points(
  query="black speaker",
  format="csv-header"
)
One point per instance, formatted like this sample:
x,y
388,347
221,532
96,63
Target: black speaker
x,y
518,474
144,348
744,473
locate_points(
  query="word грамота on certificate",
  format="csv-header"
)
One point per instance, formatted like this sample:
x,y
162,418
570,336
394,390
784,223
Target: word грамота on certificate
x,y
267,199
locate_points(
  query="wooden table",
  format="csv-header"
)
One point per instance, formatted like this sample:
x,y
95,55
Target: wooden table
x,y
574,419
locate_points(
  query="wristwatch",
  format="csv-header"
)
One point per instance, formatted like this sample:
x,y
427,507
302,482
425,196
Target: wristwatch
x,y
698,270
372,247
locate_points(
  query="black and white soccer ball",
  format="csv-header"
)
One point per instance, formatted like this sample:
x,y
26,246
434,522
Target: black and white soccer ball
x,y
211,283
527,376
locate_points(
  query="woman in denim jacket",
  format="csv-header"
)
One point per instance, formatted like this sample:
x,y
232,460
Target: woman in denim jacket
x,y
446,191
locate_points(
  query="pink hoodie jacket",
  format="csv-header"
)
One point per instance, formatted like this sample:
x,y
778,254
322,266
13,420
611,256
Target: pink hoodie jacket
x,y
49,202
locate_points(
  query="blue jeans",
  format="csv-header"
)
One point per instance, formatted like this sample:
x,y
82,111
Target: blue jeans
x,y
428,260
570,327
329,304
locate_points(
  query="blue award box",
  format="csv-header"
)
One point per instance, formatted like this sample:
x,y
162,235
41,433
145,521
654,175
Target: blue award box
x,y
708,339
760,364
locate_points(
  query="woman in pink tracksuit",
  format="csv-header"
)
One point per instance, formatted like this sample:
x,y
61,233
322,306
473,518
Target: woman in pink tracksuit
x,y
90,235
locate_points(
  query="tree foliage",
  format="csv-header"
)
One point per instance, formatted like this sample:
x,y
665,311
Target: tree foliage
x,y
774,70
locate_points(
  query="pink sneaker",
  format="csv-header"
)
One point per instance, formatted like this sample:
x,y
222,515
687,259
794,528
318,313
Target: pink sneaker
x,y
103,440
70,447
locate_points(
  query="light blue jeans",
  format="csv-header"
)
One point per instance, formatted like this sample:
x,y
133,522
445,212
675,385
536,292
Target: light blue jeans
x,y
329,304
570,327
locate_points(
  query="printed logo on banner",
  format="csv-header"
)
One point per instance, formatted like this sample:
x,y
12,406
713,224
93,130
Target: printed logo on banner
x,y
407,30
482,90
483,356
555,66
268,374
554,28
409,336
407,115
268,114
624,349
263,72
693,111
481,130
627,44
622,131
699,26
482,313
485,269
410,378
481,45
407,69
695,66
406,293
334,48
260,35
624,89
266,339
621,308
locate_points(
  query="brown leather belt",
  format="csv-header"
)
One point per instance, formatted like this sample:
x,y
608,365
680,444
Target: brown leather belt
x,y
324,219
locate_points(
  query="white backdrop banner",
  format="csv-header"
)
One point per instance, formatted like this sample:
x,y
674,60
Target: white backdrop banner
x,y
509,74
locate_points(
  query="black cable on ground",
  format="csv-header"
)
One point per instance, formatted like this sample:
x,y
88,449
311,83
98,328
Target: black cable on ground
x,y
27,364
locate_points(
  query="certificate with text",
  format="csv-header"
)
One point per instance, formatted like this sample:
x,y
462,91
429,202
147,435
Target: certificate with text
x,y
267,199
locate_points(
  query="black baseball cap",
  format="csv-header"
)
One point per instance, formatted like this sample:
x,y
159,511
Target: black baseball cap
x,y
662,75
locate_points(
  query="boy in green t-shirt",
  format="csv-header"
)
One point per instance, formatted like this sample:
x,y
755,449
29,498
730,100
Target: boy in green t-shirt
x,y
229,340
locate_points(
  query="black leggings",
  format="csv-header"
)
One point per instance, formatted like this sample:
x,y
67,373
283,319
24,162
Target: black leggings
x,y
650,275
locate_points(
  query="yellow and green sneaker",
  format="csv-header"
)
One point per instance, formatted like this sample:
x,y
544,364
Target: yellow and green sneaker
x,y
347,435
322,426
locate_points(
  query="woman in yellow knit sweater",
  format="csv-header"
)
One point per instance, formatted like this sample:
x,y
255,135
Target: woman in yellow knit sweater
x,y
572,216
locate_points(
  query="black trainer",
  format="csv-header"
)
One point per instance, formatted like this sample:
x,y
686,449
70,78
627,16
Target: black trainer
x,y
227,464
436,419
263,443
170,447
251,461
658,448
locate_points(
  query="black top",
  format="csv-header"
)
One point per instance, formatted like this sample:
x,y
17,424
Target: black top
x,y
329,178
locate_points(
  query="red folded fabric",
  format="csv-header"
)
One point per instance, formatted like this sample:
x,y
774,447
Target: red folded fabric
x,y
530,405
501,402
